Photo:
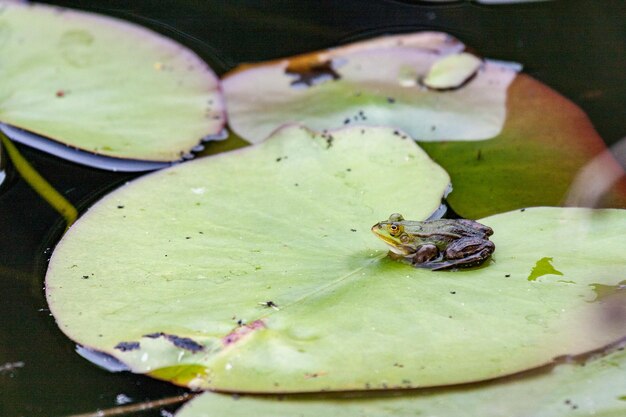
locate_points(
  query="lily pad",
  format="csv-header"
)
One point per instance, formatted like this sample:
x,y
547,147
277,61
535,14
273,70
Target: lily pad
x,y
255,271
453,71
539,142
546,141
593,388
375,82
102,85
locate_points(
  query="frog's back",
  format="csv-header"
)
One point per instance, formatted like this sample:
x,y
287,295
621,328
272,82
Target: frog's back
x,y
455,229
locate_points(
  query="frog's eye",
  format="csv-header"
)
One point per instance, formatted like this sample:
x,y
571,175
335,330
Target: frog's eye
x,y
395,229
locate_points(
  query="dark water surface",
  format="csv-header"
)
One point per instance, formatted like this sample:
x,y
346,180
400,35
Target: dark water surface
x,y
576,47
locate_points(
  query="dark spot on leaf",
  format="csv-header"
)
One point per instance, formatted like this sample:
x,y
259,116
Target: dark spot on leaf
x,y
60,93
269,304
507,275
120,207
184,343
279,159
353,230
85,276
433,128
329,139
479,155
181,342
391,100
345,122
126,346
452,292
523,210
349,169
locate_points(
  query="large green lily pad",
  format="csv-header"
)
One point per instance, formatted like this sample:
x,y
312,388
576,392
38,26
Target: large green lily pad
x,y
375,82
593,388
103,85
255,271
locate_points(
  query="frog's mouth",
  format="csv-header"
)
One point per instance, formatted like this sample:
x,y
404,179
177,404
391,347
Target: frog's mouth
x,y
390,241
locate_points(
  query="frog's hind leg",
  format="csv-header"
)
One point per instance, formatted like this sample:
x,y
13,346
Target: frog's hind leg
x,y
466,253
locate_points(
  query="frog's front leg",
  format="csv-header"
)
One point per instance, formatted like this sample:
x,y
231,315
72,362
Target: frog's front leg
x,y
466,252
425,253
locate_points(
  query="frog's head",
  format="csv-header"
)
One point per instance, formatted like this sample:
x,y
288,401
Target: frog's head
x,y
393,233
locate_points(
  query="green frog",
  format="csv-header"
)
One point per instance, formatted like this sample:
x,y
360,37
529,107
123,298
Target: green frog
x,y
436,244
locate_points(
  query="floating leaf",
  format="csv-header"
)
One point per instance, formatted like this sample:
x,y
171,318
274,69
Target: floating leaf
x,y
259,266
532,159
103,85
545,143
375,82
596,388
452,71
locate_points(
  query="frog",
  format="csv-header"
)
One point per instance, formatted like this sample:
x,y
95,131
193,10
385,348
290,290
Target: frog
x,y
441,244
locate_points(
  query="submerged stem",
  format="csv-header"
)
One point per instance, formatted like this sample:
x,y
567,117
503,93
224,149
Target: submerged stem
x,y
133,408
39,183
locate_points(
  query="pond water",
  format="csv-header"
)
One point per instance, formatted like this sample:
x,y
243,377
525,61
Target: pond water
x,y
576,47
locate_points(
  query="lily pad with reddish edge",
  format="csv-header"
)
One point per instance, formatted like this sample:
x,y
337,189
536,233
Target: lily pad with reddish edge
x,y
545,143
594,387
102,85
539,140
374,82
255,271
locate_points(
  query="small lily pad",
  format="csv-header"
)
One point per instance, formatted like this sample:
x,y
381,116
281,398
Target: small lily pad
x,y
375,82
592,388
259,267
102,85
452,71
